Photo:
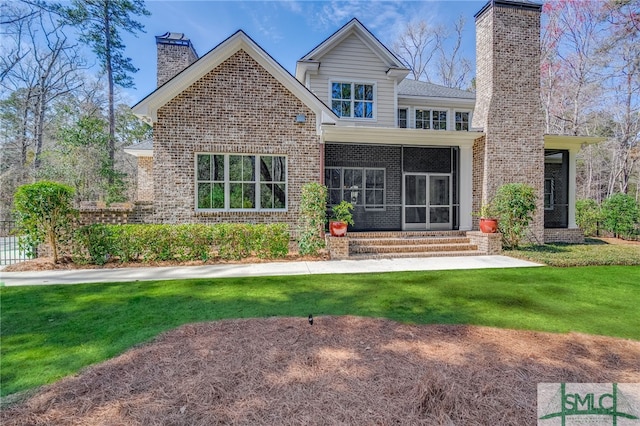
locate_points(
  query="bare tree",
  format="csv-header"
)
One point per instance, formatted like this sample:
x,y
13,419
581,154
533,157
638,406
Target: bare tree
x,y
453,69
570,66
14,15
434,54
417,46
48,70
622,51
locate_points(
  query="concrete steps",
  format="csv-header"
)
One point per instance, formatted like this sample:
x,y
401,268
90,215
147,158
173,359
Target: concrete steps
x,y
381,245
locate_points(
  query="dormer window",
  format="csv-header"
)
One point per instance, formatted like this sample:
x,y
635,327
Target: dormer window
x,y
353,100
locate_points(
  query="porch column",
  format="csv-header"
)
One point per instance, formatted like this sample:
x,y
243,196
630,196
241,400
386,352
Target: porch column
x,y
465,174
572,189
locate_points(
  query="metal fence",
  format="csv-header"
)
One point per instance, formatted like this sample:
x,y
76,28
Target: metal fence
x,y
10,252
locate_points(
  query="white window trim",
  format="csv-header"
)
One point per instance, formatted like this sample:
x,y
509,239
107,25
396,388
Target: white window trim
x,y
453,116
364,185
348,80
431,109
227,182
408,118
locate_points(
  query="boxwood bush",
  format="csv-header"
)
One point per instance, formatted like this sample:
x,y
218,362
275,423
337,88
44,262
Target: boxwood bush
x,y
98,243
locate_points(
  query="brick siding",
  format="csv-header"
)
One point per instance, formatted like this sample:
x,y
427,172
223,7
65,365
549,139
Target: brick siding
x,y
560,235
508,102
478,179
173,58
238,107
144,179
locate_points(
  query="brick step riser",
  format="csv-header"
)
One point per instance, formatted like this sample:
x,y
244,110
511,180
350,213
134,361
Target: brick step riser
x,y
405,234
411,255
413,249
406,241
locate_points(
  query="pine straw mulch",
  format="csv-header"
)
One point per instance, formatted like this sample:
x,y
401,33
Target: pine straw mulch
x,y
340,370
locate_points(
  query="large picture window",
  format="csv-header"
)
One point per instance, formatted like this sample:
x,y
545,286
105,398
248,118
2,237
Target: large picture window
x,y
359,186
241,182
352,100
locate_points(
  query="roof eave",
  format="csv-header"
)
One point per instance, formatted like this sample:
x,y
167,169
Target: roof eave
x,y
147,108
438,99
139,152
570,142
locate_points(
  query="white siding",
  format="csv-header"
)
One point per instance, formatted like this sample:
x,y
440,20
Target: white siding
x,y
353,61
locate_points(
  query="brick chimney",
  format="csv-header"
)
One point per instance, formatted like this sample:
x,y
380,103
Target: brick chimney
x,y
508,106
175,53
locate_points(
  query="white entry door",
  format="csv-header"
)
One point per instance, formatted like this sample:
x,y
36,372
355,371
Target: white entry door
x,y
427,201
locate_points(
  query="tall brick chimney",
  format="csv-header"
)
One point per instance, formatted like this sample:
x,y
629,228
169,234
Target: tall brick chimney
x,y
175,53
508,106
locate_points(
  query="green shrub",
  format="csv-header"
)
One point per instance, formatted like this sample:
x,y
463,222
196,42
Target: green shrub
x,y
44,212
185,242
587,216
515,204
620,214
233,240
93,244
271,241
313,216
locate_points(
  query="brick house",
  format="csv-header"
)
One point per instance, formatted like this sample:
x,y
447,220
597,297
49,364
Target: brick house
x,y
236,136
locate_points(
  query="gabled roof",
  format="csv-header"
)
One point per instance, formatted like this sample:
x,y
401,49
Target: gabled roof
x,y
429,90
148,107
354,27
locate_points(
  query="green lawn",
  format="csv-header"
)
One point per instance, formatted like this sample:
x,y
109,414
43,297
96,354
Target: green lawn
x,y
593,252
52,331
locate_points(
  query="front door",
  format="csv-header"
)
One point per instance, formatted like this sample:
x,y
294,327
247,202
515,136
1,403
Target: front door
x,y
427,201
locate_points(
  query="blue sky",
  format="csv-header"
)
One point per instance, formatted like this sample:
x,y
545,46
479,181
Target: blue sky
x,y
287,30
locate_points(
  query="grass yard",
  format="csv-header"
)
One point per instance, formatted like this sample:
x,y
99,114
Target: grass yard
x,y
51,332
594,252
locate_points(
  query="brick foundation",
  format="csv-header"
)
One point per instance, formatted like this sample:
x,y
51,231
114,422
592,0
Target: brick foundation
x,y
338,247
563,235
490,244
114,214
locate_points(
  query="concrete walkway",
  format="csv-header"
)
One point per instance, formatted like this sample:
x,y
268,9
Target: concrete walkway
x,y
78,276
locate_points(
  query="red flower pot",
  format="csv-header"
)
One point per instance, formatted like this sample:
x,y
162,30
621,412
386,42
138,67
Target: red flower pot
x,y
337,229
488,226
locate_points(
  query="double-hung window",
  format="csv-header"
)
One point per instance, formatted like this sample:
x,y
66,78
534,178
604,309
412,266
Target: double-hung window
x,y
352,100
241,182
402,118
462,120
423,119
431,119
359,186
439,120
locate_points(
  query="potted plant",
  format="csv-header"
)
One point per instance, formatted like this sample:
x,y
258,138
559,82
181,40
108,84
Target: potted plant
x,y
340,219
488,218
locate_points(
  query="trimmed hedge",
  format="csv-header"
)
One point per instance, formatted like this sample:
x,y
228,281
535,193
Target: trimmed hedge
x,y
149,243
